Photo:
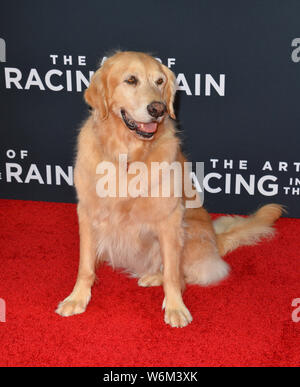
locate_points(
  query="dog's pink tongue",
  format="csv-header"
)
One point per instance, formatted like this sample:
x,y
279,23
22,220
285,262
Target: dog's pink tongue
x,y
148,128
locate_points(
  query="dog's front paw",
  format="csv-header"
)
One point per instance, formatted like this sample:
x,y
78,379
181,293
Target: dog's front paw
x,y
72,305
178,317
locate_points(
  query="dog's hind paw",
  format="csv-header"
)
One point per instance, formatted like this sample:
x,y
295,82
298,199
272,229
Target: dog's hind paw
x,y
151,280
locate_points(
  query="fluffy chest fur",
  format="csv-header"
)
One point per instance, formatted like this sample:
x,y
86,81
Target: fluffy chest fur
x,y
123,243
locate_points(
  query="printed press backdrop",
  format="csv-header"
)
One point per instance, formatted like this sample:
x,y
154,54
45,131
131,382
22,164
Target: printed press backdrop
x,y
238,102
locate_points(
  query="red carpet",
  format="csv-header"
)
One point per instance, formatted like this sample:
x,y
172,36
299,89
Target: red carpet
x,y
245,321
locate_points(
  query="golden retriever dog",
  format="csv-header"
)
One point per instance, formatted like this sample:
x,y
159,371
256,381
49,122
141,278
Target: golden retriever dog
x,y
157,239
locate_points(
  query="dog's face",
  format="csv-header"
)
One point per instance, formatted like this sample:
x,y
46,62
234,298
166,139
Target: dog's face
x,y
136,88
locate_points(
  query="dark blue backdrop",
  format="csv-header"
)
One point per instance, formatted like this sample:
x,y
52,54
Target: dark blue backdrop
x,y
252,47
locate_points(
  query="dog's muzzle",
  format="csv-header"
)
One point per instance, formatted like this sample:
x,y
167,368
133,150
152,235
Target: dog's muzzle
x,y
156,109
146,130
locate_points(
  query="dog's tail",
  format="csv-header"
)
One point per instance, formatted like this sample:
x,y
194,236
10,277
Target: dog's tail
x,y
235,231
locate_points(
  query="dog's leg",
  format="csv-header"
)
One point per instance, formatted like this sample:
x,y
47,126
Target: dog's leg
x,y
77,301
171,242
202,264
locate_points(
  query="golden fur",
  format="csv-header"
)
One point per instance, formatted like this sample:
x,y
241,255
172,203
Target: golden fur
x,y
157,240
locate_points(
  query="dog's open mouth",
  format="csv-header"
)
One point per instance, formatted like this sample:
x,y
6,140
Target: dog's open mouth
x,y
145,130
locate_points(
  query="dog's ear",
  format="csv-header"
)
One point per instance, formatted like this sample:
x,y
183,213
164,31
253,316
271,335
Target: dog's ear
x,y
170,90
96,94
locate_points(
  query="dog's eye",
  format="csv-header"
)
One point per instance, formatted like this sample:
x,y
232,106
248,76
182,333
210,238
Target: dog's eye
x,y
160,81
132,80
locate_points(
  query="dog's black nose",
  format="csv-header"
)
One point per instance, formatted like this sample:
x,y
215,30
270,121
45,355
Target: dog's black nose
x,y
156,109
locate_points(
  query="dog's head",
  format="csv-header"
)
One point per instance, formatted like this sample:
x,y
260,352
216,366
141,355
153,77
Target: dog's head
x,y
135,87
